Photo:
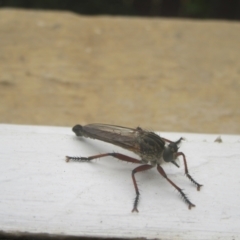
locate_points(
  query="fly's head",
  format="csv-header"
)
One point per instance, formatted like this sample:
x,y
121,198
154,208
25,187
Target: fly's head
x,y
169,153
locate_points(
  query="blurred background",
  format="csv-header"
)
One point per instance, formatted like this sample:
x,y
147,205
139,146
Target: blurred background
x,y
164,65
211,9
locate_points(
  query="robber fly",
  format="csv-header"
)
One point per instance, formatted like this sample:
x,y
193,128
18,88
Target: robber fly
x,y
151,148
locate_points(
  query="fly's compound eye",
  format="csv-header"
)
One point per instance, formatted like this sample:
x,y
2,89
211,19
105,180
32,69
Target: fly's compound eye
x,y
169,152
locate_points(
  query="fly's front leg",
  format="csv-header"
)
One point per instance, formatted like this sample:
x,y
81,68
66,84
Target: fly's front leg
x,y
161,171
186,171
169,141
138,169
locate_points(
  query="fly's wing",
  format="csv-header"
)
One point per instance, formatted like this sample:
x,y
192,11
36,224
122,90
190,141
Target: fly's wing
x,y
120,136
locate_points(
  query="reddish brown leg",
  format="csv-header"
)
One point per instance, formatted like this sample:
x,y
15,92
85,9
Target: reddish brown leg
x,y
166,140
186,171
161,171
123,158
138,169
116,155
169,141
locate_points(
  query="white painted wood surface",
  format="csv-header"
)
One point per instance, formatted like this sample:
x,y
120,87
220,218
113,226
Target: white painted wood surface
x,y
40,192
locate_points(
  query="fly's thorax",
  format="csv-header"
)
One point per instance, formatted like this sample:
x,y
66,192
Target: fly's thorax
x,y
151,147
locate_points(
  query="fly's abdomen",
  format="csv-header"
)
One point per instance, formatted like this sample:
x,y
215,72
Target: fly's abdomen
x,y
78,129
89,131
122,137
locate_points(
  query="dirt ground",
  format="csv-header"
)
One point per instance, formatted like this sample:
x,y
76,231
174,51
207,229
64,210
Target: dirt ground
x,y
59,68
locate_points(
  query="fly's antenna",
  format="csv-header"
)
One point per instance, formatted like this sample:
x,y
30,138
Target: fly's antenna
x,y
179,141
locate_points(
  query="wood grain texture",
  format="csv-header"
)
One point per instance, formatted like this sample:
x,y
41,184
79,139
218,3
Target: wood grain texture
x,y
59,68
40,192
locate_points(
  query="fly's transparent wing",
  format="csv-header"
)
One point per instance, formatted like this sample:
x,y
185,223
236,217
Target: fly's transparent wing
x,y
111,128
117,135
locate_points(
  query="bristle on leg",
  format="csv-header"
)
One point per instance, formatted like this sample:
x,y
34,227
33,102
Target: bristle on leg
x,y
135,204
194,182
185,199
77,159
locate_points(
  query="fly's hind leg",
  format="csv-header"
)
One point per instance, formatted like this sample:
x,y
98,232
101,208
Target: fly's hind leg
x,y
119,156
122,158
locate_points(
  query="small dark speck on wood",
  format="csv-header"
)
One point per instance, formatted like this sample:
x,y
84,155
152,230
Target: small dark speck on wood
x,y
218,139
